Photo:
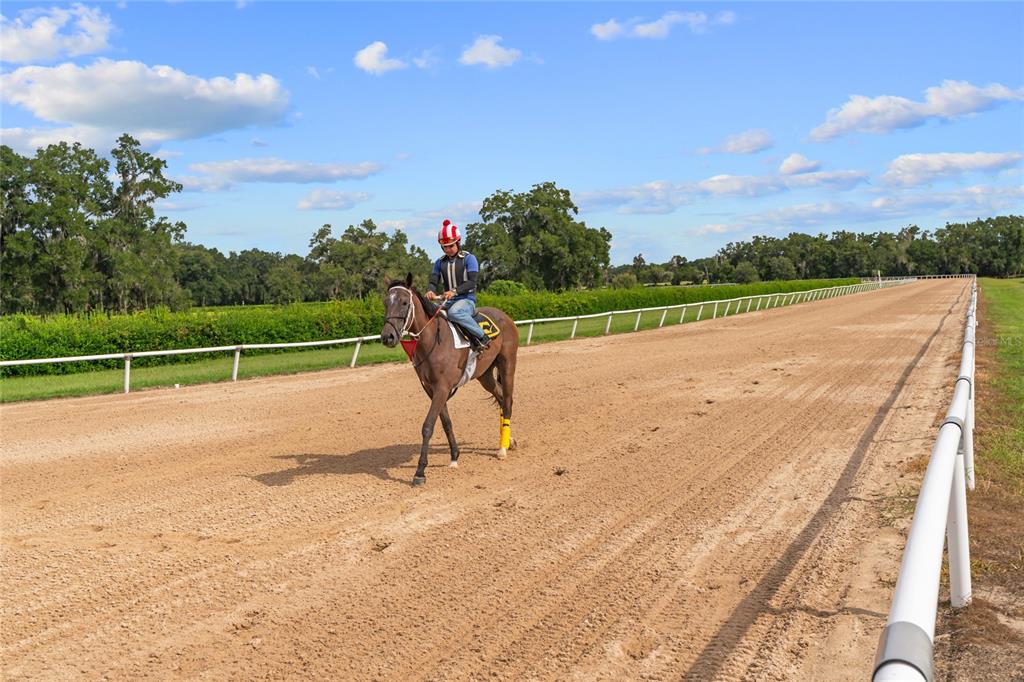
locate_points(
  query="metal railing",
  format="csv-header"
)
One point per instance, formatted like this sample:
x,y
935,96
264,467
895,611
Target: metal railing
x,y
905,649
767,300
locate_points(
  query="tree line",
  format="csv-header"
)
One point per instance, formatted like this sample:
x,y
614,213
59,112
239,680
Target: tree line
x,y
990,247
79,233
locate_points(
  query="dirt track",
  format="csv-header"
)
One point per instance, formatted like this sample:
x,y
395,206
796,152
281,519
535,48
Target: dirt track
x,y
696,502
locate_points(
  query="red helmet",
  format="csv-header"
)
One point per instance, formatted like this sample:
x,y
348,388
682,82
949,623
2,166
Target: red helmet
x,y
449,233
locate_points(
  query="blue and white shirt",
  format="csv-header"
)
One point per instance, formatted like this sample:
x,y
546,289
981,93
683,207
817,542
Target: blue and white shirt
x,y
457,273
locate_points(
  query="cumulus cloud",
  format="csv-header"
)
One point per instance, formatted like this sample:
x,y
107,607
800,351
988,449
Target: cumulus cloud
x,y
949,101
972,201
428,59
715,228
487,52
195,183
154,104
798,163
661,197
608,30
42,35
323,199
660,28
281,170
917,169
747,142
657,197
373,59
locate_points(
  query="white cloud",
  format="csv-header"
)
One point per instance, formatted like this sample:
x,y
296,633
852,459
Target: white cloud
x,y
741,185
657,197
428,59
726,18
36,35
974,201
312,71
747,142
154,104
660,28
195,183
662,197
886,113
716,228
322,199
281,170
917,169
487,52
373,59
28,140
608,30
832,179
798,163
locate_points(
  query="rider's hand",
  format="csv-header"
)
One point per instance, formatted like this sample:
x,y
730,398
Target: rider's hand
x,y
431,295
449,295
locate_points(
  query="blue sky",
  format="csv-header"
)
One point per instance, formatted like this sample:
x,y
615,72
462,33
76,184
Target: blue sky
x,y
677,126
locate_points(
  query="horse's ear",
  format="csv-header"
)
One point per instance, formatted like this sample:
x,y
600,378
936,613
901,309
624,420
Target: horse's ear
x,y
408,280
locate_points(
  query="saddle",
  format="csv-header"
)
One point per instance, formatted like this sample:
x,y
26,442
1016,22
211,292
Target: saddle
x,y
462,336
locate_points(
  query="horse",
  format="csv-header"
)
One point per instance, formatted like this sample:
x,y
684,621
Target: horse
x,y
440,365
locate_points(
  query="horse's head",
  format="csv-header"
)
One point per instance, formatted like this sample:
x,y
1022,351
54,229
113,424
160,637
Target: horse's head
x,y
399,311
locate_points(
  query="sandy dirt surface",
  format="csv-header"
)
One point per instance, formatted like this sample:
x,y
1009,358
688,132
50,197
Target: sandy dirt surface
x,y
696,502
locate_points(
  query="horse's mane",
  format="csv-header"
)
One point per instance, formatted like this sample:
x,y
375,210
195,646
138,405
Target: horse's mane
x,y
428,307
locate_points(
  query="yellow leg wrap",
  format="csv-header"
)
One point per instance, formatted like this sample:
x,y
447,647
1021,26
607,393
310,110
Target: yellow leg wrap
x,y
506,434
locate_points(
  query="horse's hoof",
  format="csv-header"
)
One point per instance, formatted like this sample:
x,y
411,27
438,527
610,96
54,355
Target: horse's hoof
x,y
454,464
512,445
501,453
418,481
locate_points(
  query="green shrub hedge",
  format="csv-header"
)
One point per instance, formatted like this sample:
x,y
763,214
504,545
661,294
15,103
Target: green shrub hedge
x,y
25,336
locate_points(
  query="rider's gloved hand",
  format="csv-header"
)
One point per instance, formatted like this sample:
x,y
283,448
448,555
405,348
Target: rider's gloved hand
x,y
431,295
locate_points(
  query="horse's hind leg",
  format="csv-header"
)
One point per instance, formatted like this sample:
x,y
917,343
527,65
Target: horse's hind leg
x,y
506,382
453,446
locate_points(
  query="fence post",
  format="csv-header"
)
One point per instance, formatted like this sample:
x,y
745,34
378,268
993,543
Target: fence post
x,y
127,371
529,335
608,324
683,315
234,367
355,354
714,313
750,302
663,314
637,325
574,323
700,311
958,545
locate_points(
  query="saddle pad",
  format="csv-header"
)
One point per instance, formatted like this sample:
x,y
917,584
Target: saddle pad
x,y
487,324
458,335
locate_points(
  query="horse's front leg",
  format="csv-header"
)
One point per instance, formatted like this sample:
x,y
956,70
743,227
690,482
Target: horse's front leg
x,y
437,404
446,422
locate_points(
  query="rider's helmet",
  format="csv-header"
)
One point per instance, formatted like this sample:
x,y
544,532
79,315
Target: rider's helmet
x,y
449,233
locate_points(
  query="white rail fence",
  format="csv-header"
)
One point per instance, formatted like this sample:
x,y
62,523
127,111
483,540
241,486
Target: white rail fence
x,y
765,301
905,650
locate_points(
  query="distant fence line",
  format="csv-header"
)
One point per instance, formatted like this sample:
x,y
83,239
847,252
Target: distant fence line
x,y
763,300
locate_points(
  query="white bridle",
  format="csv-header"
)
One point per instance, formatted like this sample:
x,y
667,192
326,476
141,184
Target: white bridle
x,y
408,315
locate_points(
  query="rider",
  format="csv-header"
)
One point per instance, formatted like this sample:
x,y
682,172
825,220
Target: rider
x,y
454,277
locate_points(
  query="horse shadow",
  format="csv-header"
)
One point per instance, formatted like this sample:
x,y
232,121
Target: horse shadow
x,y
376,462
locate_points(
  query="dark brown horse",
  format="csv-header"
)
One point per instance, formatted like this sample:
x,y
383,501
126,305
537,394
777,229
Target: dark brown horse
x,y
440,365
